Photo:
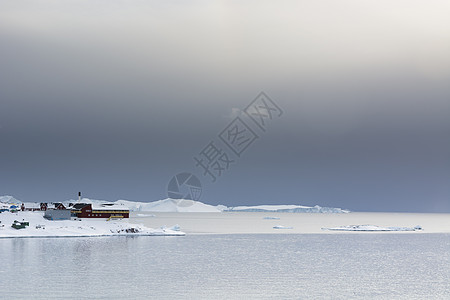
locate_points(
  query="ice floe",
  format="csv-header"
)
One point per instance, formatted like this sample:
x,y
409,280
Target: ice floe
x,y
372,228
173,228
282,227
288,208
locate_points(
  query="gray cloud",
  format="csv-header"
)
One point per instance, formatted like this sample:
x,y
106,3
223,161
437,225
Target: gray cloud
x,y
115,98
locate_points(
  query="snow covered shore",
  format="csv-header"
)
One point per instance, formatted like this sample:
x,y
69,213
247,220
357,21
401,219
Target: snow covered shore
x,y
41,227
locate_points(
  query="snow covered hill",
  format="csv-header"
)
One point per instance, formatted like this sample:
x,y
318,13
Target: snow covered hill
x,y
9,200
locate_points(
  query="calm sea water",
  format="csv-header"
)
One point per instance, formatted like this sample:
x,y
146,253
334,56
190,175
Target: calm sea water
x,y
289,266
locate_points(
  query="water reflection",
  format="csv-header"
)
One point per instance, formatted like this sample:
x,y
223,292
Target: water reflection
x,y
227,266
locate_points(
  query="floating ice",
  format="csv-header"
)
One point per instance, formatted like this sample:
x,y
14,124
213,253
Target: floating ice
x,y
282,227
372,228
288,208
175,227
271,218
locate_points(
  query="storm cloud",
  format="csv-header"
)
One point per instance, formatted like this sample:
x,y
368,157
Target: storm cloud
x,y
113,98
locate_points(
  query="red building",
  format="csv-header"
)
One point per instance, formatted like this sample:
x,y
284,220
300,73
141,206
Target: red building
x,y
84,210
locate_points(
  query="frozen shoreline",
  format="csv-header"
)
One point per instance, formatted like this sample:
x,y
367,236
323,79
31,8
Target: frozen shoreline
x,y
39,227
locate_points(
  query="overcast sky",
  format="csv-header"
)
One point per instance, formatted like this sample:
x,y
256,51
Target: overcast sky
x,y
113,98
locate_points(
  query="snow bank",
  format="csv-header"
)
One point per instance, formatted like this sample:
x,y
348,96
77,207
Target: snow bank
x,y
288,208
41,227
373,228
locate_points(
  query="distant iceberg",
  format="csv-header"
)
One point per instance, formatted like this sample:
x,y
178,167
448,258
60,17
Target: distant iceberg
x,y
373,228
288,209
271,218
173,228
183,205
282,227
170,205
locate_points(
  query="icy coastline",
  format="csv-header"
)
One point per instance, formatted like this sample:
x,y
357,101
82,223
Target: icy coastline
x,y
41,227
